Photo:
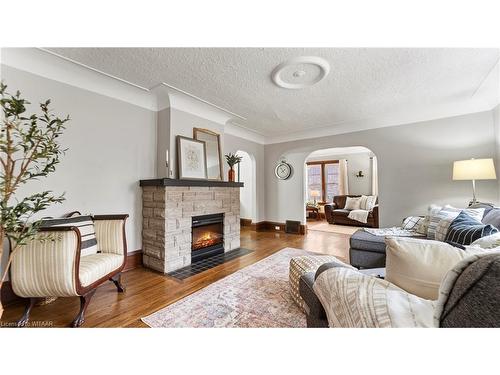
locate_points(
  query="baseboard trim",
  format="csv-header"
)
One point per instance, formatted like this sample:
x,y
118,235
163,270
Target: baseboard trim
x,y
273,226
134,260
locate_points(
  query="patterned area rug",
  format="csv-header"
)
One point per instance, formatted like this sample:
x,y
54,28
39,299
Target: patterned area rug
x,y
255,296
324,226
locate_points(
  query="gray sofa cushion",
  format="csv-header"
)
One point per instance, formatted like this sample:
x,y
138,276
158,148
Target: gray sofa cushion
x,y
474,299
362,240
492,217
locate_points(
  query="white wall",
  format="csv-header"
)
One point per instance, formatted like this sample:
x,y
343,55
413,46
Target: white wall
x,y
182,123
355,162
414,164
496,120
247,192
256,151
111,146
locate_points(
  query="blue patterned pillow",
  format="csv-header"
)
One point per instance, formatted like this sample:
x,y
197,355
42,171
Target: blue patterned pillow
x,y
464,230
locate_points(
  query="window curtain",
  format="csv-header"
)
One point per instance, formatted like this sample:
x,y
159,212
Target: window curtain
x,y
343,177
374,176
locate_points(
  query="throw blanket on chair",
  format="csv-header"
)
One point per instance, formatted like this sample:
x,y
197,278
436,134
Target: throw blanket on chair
x,y
354,300
359,215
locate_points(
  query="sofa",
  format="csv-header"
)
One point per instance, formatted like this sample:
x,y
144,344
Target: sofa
x,y
336,214
368,250
463,290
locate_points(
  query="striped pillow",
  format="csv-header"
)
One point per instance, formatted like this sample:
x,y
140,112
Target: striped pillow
x,y
464,230
85,225
412,222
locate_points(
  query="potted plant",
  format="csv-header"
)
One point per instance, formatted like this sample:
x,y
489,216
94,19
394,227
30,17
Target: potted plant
x,y
232,160
29,149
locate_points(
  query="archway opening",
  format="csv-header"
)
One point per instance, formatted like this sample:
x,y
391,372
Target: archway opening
x,y
332,176
246,174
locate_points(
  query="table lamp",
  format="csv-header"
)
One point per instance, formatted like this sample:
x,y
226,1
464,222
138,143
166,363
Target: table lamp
x,y
472,170
315,194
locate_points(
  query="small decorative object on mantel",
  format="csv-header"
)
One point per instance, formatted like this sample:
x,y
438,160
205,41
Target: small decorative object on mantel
x,y
232,160
167,162
360,174
191,159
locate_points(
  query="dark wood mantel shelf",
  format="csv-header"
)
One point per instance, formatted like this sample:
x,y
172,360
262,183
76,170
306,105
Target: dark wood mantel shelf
x,y
176,182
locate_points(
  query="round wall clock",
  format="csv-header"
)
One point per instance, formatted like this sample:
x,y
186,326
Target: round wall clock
x,y
283,170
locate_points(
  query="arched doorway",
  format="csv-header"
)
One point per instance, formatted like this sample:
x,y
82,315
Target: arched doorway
x,y
246,173
336,172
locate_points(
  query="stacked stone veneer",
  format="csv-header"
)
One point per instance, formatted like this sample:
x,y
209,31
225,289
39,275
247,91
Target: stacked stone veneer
x,y
167,215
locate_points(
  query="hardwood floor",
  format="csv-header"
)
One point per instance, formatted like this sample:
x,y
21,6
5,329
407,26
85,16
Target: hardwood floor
x,y
148,291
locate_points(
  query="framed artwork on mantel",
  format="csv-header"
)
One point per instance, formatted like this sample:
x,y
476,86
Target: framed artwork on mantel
x,y
214,154
191,159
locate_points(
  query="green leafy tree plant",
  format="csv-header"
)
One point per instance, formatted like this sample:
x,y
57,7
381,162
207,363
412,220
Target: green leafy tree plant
x,y
29,150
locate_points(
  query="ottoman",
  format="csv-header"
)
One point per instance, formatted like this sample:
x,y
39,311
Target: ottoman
x,y
367,250
302,265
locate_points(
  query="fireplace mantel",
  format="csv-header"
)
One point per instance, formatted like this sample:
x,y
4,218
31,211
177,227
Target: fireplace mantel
x,y
177,182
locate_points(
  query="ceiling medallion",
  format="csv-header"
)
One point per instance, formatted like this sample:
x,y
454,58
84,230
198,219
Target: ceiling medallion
x,y
300,72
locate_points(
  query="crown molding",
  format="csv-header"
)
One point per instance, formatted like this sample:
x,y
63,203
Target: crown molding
x,y
170,96
380,122
240,131
57,68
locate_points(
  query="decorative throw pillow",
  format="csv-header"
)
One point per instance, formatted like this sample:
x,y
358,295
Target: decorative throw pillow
x,y
418,266
367,202
352,203
464,230
424,224
488,242
448,213
85,225
442,228
476,213
412,222
435,217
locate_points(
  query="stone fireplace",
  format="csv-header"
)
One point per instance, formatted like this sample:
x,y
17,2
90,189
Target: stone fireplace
x,y
184,221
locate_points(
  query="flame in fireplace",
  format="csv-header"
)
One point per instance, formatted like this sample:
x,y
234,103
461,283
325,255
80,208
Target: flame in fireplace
x,y
206,239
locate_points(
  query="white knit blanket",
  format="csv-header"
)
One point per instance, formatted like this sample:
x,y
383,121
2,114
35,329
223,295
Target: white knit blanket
x,y
394,231
359,215
354,300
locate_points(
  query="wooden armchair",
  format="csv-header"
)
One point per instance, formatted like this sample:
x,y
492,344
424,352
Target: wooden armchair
x,y
53,265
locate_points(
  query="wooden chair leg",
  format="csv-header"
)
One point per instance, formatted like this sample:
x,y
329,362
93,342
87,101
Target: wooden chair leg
x,y
117,280
30,303
84,303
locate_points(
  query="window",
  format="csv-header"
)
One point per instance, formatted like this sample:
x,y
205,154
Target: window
x,y
322,180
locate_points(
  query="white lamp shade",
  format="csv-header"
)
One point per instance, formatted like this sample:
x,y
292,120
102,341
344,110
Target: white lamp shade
x,y
474,169
315,193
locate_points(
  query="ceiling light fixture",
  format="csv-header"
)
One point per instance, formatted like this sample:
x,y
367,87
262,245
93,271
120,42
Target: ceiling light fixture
x,y
300,72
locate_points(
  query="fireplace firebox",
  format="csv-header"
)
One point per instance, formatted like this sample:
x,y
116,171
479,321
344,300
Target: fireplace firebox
x,y
207,236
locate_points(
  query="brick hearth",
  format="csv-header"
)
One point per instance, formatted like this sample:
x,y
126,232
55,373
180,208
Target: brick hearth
x,y
167,215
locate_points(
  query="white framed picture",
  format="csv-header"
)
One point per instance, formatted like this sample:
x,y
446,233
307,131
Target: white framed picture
x,y
191,159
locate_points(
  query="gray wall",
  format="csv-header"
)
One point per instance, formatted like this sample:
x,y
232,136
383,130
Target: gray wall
x,y
111,146
414,162
256,151
496,120
182,123
355,162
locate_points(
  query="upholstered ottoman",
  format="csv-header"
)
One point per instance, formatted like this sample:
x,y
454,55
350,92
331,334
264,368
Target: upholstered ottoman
x,y
302,265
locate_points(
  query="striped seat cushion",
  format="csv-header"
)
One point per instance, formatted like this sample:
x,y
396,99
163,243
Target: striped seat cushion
x,y
85,225
464,230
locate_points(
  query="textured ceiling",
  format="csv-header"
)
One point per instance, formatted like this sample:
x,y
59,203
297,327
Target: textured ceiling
x,y
362,84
